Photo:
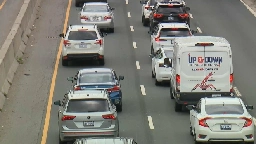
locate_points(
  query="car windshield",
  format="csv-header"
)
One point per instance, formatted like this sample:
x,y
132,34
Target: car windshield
x,y
88,105
82,35
96,78
169,32
169,53
95,8
167,9
224,109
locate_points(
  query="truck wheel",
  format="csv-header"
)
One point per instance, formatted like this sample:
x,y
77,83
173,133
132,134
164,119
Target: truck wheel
x,y
178,107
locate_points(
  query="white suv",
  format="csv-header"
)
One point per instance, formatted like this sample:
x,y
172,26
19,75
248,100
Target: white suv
x,y
83,42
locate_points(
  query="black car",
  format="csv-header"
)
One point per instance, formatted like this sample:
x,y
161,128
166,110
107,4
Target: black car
x,y
167,13
80,3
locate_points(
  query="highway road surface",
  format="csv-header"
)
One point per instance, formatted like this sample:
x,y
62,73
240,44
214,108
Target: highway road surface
x,y
148,112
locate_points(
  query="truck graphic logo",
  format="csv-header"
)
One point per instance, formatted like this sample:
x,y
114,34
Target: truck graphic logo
x,y
206,60
203,85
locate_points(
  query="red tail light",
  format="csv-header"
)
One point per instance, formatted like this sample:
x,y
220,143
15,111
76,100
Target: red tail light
x,y
66,117
107,17
158,15
109,116
99,42
231,78
113,89
157,39
77,88
147,7
202,122
183,16
84,17
174,29
248,122
177,78
161,65
170,5
66,42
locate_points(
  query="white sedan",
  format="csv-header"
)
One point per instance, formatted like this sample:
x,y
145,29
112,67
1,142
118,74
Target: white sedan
x,y
221,119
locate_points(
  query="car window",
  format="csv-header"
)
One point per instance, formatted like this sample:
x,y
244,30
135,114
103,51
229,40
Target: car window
x,y
96,78
171,32
82,35
95,8
167,9
88,105
198,107
224,109
169,53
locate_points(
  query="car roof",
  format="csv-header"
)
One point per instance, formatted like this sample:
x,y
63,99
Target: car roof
x,y
90,70
102,140
192,40
96,3
174,25
222,100
88,94
87,26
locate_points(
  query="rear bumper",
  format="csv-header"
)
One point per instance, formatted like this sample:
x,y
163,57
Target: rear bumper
x,y
92,56
84,1
170,21
163,76
100,24
193,98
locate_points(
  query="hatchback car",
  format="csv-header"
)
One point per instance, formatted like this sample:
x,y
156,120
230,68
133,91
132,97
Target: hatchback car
x,y
87,113
115,140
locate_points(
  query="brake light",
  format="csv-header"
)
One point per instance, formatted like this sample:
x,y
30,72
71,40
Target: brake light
x,y
147,7
161,65
170,5
202,122
107,17
113,89
157,39
109,116
84,17
67,117
66,42
174,29
248,121
183,16
204,44
99,42
231,78
177,78
77,88
158,15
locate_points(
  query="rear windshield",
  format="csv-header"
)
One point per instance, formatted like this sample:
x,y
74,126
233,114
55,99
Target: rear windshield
x,y
166,9
169,53
168,32
82,35
95,8
96,78
88,105
224,109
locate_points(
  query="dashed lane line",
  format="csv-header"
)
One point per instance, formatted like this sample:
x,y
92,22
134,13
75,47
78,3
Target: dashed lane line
x,y
131,27
126,2
143,90
199,30
190,15
129,14
134,44
150,123
237,92
137,64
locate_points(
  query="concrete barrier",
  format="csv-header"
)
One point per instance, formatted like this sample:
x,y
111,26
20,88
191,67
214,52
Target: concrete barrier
x,y
14,46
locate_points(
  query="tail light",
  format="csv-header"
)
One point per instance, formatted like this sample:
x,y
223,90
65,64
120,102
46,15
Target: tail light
x,y
157,39
84,17
161,65
109,116
177,79
67,117
107,17
113,89
231,78
202,122
158,15
147,7
248,121
183,16
99,42
66,42
77,88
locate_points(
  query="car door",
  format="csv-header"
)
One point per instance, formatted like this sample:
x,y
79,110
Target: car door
x,y
194,114
153,36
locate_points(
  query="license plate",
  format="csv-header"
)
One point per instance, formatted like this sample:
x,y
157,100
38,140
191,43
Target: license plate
x,y
216,95
82,46
89,123
225,127
170,18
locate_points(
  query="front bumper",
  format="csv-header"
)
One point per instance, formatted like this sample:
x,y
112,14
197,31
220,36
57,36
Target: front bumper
x,y
100,24
92,56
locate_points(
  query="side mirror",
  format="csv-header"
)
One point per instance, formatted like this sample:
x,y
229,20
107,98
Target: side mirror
x,y
143,2
121,78
104,34
70,79
151,55
193,31
58,103
114,107
187,8
150,8
249,107
61,35
190,107
167,62
112,8
150,32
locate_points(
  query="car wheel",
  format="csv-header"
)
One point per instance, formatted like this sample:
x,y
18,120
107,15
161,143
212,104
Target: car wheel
x,y
111,30
144,22
102,62
61,142
64,62
142,19
190,131
119,107
178,107
157,83
153,76
152,49
171,92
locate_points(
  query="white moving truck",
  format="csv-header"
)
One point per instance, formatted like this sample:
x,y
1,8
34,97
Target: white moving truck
x,y
202,67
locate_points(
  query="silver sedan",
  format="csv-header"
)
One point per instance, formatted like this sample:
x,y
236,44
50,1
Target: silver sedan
x,y
98,13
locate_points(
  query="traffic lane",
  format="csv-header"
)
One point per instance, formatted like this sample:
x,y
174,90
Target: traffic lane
x,y
8,14
234,22
119,56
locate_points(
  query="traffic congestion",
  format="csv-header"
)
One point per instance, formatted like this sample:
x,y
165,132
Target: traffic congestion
x,y
196,70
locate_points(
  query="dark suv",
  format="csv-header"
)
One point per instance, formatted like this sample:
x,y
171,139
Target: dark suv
x,y
168,12
101,140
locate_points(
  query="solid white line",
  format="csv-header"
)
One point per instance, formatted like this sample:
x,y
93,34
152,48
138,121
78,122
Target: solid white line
x,y
138,64
248,7
254,121
126,1
150,122
191,16
143,90
199,30
134,45
237,92
129,14
131,28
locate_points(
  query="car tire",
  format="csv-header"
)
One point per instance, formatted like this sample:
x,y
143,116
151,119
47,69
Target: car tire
x,y
152,49
142,18
249,142
101,62
62,142
119,107
190,131
157,83
153,76
111,30
178,107
144,22
171,92
64,62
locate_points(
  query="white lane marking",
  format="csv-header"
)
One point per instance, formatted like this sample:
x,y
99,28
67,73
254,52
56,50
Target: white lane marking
x,y
129,14
126,1
131,28
254,121
191,16
138,64
199,30
237,92
150,122
134,45
248,7
143,90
